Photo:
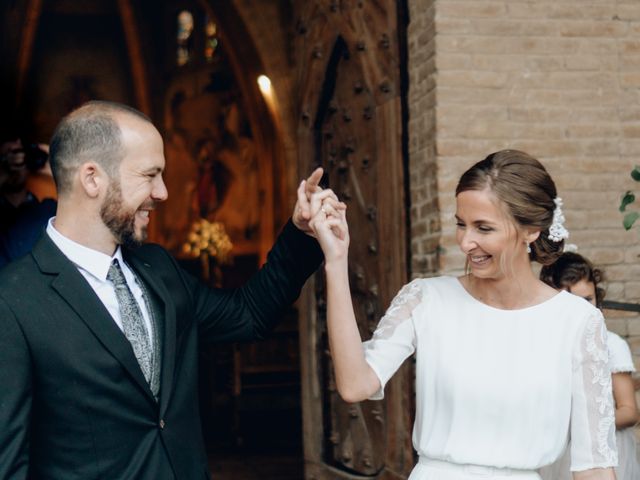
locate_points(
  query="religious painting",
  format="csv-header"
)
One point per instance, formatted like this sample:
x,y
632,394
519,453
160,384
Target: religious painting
x,y
212,167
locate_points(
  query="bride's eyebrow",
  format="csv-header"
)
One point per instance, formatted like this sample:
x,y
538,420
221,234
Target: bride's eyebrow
x,y
477,222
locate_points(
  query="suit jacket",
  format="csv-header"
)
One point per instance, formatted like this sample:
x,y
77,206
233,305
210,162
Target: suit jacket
x,y
74,403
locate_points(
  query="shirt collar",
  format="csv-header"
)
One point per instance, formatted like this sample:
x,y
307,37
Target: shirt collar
x,y
94,262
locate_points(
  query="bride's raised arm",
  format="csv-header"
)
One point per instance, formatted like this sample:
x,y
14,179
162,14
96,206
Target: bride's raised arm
x,y
355,379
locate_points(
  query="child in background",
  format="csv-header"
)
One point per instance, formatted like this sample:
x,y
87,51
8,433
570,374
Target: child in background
x,y
575,274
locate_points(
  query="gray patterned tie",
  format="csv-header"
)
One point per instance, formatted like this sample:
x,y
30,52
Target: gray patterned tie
x,y
132,320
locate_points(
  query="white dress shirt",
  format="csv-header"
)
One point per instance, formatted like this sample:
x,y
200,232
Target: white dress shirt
x,y
94,266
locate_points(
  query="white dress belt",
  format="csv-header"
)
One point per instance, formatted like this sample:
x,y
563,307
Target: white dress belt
x,y
480,470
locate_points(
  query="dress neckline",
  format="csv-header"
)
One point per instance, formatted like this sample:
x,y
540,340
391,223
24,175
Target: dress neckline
x,y
507,310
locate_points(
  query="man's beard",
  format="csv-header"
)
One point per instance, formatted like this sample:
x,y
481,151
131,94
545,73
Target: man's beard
x,y
120,221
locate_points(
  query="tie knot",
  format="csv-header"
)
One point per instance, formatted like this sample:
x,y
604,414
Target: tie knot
x,y
115,274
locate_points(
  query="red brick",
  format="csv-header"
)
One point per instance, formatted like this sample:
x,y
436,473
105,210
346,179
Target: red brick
x,y
606,29
629,12
468,9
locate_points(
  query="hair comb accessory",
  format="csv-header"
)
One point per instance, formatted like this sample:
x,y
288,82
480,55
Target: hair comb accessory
x,y
557,232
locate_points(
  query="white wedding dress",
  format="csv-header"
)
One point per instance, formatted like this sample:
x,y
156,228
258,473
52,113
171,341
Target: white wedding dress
x,y
497,391
628,468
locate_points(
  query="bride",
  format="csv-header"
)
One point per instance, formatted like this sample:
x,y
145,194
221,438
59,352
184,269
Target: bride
x,y
506,366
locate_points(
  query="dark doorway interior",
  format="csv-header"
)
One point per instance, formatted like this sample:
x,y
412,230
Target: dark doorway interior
x,y
250,393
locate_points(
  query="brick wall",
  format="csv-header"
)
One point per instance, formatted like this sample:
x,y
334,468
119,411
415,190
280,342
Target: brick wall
x,y
557,79
425,217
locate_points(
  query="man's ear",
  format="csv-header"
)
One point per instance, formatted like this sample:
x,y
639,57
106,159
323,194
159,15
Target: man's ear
x,y
93,179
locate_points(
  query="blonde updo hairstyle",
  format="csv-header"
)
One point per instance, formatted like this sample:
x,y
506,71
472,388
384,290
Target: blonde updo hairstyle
x,y
525,190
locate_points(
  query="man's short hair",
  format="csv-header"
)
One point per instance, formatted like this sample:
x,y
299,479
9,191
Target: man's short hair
x,y
89,133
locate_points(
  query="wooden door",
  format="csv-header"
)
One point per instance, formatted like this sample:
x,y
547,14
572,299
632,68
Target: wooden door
x,y
350,122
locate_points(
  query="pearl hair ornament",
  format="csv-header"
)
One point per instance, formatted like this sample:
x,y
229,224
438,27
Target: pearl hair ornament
x,y
557,231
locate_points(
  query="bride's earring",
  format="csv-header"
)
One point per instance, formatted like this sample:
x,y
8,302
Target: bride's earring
x,y
528,247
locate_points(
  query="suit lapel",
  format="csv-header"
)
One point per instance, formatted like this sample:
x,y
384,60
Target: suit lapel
x,y
78,294
152,280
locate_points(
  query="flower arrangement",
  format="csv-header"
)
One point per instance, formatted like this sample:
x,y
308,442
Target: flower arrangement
x,y
208,238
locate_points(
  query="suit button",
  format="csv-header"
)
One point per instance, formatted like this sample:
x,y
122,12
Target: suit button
x,y
161,424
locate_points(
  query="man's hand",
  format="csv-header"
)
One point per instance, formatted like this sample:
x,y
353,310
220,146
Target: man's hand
x,y
306,191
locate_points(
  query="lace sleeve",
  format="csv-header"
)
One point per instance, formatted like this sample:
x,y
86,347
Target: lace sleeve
x,y
593,441
394,338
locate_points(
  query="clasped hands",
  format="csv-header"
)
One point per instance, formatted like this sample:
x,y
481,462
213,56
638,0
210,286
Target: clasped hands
x,y
319,213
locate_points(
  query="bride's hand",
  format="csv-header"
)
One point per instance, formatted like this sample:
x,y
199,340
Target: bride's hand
x,y
329,224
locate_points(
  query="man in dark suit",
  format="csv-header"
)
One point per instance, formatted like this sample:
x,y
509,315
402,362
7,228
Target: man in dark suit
x,y
99,336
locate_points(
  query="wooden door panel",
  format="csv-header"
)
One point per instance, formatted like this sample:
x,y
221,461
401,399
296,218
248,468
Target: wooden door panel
x,y
351,124
346,150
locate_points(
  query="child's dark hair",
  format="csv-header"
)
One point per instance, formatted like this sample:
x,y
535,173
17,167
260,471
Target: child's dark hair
x,y
569,269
